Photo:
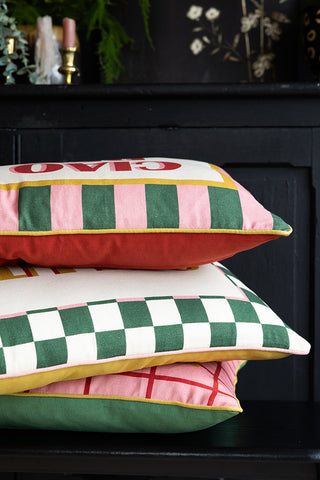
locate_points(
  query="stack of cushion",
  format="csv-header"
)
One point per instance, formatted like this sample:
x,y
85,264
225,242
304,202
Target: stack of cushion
x,y
115,311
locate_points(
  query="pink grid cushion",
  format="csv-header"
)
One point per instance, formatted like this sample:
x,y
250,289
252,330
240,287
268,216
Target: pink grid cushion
x,y
169,398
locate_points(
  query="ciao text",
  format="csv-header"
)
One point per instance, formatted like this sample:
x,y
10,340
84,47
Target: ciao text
x,y
112,165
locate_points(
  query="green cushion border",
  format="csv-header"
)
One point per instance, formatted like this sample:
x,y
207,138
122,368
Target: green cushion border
x,y
104,415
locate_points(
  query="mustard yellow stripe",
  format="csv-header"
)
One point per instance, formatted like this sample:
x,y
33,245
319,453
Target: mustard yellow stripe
x,y
146,230
39,379
16,186
129,399
228,181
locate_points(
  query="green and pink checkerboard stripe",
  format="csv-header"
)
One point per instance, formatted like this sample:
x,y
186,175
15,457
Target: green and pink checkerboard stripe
x,y
113,329
73,207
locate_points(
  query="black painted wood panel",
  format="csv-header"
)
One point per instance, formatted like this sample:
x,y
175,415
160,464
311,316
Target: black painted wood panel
x,y
8,146
45,107
217,145
279,272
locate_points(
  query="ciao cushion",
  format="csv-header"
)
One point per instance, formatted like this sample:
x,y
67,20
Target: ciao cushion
x,y
131,213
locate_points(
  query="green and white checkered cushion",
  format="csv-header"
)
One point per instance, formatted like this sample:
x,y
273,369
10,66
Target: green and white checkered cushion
x,y
68,324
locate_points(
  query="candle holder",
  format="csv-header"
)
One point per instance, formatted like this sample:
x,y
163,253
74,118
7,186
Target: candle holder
x,y
68,67
11,41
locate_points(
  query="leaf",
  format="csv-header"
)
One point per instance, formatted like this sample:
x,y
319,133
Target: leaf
x,y
236,40
145,8
10,68
227,56
10,80
216,50
3,60
234,59
197,29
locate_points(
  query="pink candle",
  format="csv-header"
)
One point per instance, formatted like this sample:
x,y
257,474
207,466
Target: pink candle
x,y
69,33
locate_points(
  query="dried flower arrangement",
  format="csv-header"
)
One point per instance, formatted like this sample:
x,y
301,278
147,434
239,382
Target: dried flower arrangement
x,y
210,36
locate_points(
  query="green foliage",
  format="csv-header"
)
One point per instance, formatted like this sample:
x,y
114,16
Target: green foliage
x,y
91,16
16,63
145,10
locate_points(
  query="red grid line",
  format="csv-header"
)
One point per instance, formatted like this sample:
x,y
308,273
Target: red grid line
x,y
87,385
167,378
215,385
151,382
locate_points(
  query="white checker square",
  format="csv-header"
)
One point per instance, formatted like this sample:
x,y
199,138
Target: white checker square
x,y
249,335
106,317
218,310
266,315
164,312
140,341
82,348
46,325
296,342
21,358
196,335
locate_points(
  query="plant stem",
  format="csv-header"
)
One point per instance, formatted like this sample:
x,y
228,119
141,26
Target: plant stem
x,y
262,34
247,43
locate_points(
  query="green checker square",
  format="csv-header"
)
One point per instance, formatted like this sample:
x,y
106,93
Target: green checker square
x,y
252,297
51,352
3,367
169,338
226,211
223,334
98,207
279,224
191,310
76,320
275,336
243,311
111,344
15,331
135,314
162,206
34,209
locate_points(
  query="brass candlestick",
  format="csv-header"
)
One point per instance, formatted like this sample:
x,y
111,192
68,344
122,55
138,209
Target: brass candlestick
x,y
68,67
10,47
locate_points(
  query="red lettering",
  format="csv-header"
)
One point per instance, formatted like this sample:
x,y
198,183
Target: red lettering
x,y
155,165
85,167
120,166
114,165
36,168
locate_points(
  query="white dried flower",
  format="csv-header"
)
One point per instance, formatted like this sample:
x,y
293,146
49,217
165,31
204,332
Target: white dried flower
x,y
194,12
272,30
212,14
264,62
280,17
259,12
249,22
196,46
